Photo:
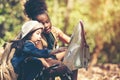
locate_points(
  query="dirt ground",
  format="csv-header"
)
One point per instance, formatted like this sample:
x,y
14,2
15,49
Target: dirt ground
x,y
100,72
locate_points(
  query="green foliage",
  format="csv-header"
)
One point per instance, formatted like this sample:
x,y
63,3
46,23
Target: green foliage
x,y
11,16
100,17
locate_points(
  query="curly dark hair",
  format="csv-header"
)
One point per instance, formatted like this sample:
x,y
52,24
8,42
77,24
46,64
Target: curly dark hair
x,y
34,7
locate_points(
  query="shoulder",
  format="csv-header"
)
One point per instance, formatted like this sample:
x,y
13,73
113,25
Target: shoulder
x,y
28,43
55,29
28,46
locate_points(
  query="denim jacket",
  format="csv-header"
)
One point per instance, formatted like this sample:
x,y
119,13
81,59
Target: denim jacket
x,y
29,50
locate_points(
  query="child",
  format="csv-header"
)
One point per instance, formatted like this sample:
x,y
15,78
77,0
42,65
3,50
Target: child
x,y
37,10
26,57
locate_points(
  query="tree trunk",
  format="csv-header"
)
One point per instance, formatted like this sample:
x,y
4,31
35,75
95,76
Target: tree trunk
x,y
96,51
69,4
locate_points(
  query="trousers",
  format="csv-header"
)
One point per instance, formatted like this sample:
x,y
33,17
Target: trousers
x,y
30,69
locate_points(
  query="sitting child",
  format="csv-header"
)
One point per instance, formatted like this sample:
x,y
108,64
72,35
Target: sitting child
x,y
26,61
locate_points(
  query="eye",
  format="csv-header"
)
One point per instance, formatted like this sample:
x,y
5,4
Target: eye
x,y
37,32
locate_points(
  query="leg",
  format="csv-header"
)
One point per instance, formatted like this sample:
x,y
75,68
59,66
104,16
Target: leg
x,y
31,69
74,75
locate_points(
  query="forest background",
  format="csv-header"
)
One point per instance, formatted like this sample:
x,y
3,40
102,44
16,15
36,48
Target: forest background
x,y
101,20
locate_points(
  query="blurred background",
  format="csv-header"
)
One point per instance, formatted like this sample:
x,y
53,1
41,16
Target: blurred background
x,y
101,20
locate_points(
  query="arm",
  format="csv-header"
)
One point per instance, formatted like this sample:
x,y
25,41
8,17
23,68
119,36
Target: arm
x,y
62,36
29,49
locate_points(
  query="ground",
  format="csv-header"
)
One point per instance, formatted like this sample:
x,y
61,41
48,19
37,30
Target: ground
x,y
100,72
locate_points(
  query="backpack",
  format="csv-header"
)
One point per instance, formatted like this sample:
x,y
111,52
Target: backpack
x,y
6,68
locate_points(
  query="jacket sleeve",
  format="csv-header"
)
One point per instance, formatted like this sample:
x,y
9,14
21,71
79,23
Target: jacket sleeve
x,y
29,49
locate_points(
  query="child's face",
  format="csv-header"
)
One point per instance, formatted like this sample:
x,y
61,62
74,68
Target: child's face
x,y
36,36
44,19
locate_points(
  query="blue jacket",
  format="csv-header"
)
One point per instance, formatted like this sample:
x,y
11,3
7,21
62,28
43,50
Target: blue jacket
x,y
29,50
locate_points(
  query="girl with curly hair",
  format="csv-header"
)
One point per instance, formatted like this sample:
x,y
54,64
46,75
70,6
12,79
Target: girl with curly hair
x,y
37,10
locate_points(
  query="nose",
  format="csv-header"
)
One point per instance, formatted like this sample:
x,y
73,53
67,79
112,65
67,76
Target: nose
x,y
40,36
46,25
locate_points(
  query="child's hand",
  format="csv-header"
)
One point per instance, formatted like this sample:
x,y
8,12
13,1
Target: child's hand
x,y
61,49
